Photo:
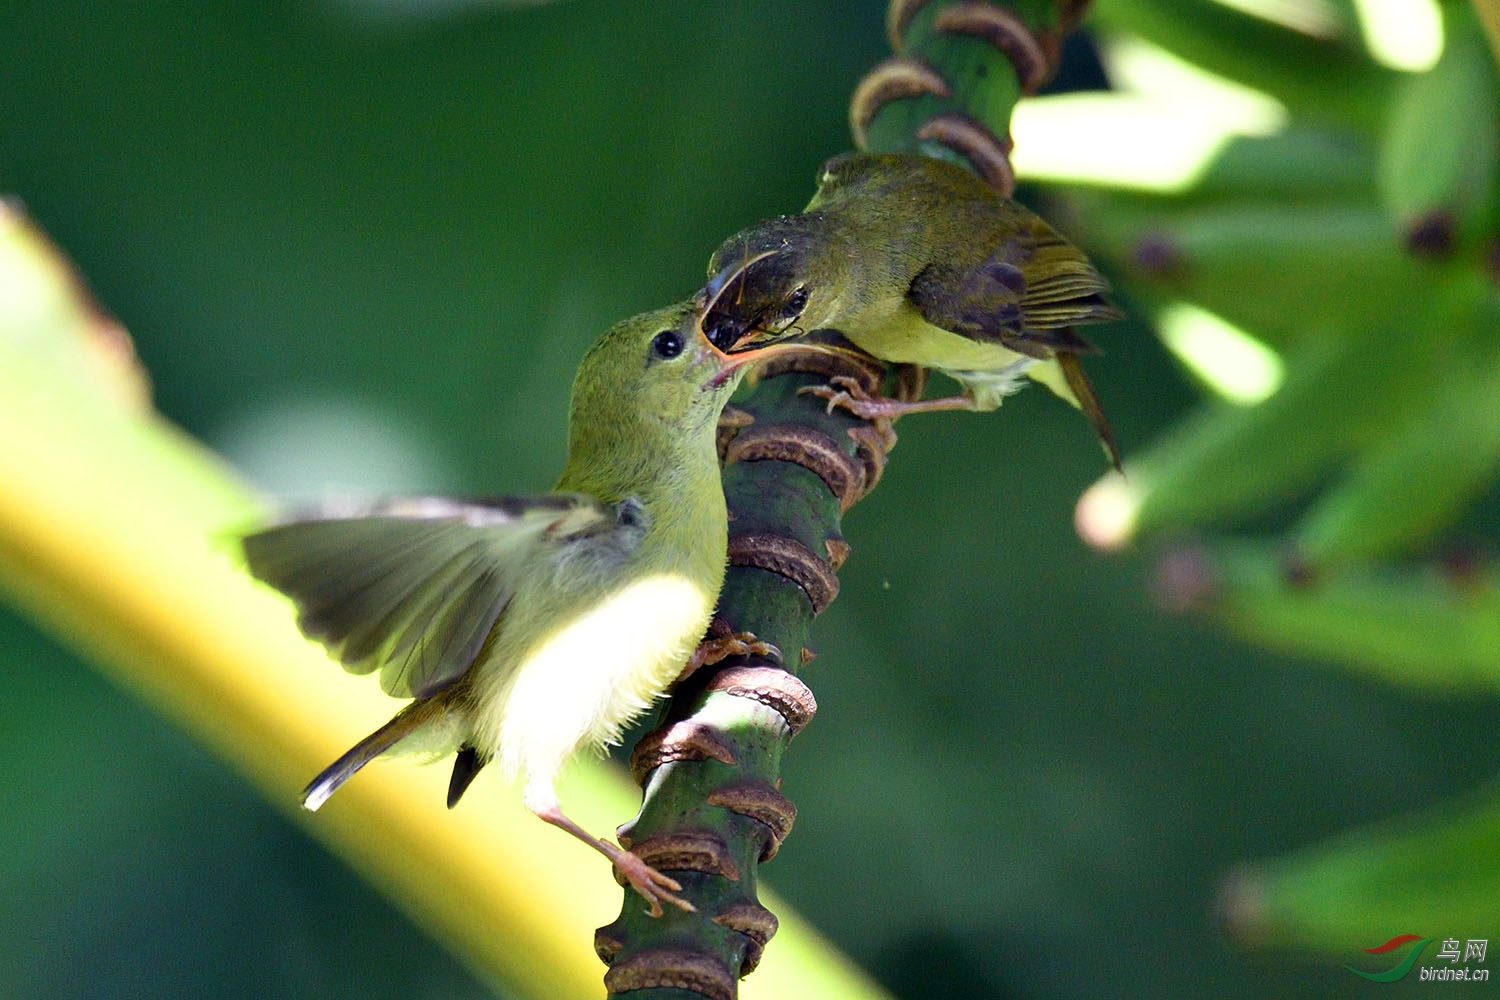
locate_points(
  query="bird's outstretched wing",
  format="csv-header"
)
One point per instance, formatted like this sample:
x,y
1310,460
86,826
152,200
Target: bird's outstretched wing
x,y
413,587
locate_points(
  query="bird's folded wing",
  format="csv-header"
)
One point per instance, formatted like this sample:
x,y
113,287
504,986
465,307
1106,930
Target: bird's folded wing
x,y
1013,298
413,587
1062,286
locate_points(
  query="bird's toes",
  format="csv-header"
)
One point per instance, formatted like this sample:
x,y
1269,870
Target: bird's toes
x,y
654,887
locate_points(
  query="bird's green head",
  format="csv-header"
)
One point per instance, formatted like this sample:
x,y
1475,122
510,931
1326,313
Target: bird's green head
x,y
764,279
657,375
654,365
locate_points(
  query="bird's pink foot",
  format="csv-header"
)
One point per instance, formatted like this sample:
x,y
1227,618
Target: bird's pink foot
x,y
721,643
653,886
845,393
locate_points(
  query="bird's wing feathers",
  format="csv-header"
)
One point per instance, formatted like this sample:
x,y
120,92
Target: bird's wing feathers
x,y
413,588
1023,295
1062,286
982,303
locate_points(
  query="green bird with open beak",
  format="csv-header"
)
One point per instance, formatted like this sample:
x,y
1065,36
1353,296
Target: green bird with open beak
x,y
528,628
916,261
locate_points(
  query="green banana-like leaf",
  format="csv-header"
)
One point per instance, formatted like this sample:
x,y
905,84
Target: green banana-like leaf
x,y
1385,430
1440,148
1407,484
1422,626
1322,75
1282,271
1437,875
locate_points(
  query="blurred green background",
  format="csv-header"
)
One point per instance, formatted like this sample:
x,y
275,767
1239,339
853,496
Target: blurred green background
x,y
362,248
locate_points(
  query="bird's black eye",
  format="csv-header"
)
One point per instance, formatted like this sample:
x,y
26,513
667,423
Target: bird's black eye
x,y
667,344
796,302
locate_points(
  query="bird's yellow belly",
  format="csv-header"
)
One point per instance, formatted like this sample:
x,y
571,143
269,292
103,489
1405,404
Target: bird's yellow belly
x,y
988,372
592,674
909,339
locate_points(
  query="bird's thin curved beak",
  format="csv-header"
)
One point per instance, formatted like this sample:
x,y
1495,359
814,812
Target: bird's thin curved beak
x,y
732,361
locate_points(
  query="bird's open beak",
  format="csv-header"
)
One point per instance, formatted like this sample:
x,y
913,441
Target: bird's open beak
x,y
712,295
733,360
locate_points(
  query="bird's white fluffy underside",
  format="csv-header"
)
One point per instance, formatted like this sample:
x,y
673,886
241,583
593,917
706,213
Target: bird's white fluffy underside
x,y
587,680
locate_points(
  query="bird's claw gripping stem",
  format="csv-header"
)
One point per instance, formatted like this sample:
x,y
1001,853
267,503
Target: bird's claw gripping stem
x,y
845,393
721,643
653,886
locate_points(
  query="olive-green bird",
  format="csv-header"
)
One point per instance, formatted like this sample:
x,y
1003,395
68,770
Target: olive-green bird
x,y
528,628
917,261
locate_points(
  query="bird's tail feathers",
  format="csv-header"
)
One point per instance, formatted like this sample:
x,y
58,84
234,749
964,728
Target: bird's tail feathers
x,y
466,766
1088,402
406,722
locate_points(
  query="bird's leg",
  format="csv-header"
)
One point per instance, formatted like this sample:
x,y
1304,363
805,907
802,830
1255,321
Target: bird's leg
x,y
843,392
653,886
722,643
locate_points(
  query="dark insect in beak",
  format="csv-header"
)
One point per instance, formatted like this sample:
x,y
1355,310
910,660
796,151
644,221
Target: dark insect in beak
x,y
724,321
723,330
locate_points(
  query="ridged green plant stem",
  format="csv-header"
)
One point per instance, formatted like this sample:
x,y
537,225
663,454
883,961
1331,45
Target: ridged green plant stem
x,y
713,809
